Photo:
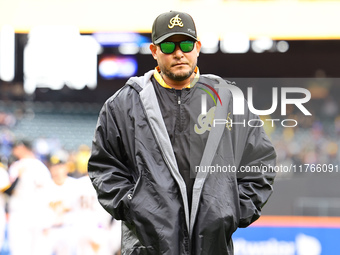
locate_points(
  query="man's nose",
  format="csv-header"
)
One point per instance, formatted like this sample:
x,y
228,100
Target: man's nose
x,y
178,52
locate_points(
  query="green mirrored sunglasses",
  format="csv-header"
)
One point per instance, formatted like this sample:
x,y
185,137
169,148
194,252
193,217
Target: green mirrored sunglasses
x,y
169,47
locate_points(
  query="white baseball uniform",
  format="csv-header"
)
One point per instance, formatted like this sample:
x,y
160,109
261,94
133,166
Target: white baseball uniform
x,y
4,184
27,206
96,235
63,199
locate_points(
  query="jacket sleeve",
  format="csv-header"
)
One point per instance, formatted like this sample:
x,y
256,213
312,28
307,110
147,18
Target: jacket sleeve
x,y
256,174
108,168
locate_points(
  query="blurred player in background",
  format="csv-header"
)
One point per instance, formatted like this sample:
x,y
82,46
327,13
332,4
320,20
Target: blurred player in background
x,y
97,232
30,179
63,198
4,185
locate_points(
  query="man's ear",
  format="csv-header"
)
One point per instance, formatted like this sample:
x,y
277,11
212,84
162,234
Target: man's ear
x,y
153,49
198,47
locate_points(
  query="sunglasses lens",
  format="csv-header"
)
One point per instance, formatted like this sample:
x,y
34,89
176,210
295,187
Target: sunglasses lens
x,y
187,46
168,47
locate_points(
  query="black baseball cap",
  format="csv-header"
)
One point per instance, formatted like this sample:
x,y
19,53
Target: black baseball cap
x,y
24,142
58,157
173,23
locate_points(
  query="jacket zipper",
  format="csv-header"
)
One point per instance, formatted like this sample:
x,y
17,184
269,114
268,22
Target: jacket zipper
x,y
178,93
179,121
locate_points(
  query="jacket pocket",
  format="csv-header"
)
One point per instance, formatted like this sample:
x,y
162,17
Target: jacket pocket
x,y
128,199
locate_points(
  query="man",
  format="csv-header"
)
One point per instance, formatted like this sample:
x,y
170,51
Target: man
x,y
62,200
154,134
30,179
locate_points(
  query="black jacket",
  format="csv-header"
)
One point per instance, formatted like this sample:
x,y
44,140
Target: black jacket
x,y
134,170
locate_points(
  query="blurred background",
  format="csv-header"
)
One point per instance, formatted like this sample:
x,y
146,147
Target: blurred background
x,y
60,60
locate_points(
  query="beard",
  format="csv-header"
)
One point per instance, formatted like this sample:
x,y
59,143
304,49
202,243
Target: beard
x,y
177,77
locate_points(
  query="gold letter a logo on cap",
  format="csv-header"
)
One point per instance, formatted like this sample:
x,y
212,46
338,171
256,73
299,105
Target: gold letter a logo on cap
x,y
176,21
